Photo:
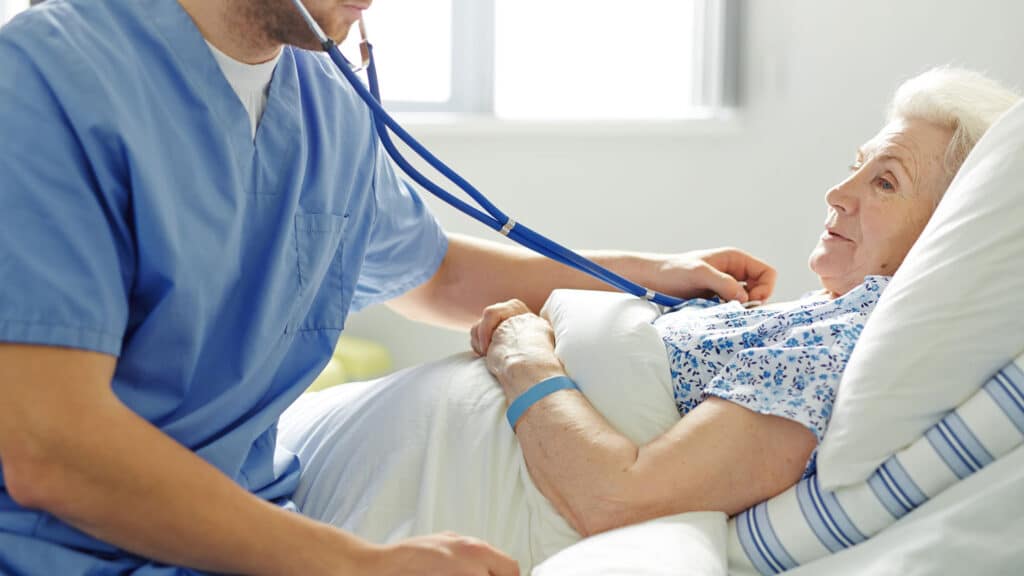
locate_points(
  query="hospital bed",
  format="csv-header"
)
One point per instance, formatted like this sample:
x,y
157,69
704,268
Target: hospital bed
x,y
958,287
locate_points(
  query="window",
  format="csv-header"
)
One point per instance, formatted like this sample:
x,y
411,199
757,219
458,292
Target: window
x,y
550,59
415,37
556,59
8,8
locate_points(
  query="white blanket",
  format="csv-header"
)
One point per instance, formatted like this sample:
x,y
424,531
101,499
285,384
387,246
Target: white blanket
x,y
428,448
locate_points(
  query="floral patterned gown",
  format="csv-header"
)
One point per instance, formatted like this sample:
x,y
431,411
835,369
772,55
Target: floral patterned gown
x,y
782,359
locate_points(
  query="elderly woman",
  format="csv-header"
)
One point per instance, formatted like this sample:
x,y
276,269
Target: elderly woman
x,y
755,387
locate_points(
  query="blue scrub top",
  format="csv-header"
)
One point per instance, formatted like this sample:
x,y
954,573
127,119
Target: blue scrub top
x,y
139,219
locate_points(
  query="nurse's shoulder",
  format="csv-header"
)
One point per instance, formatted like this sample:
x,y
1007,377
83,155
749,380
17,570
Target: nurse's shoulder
x,y
322,84
79,62
79,47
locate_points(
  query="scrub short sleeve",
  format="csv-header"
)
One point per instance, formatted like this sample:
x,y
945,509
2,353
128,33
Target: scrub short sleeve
x,y
406,243
65,256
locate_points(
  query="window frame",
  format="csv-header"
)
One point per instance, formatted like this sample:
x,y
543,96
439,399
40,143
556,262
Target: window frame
x,y
472,64
716,58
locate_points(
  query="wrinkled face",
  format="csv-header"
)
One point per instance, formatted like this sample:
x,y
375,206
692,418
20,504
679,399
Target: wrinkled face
x,y
876,214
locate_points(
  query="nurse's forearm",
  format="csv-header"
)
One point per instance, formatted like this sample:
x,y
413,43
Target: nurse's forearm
x,y
459,291
124,482
85,458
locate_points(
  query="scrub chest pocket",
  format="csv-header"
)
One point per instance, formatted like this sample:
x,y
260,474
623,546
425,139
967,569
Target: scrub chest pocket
x,y
324,297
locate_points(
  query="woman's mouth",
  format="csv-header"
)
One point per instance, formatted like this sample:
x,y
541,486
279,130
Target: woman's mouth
x,y
830,234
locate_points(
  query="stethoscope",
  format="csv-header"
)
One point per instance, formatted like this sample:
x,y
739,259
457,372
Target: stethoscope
x,y
493,218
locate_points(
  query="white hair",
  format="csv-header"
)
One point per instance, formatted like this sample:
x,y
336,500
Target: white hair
x,y
965,102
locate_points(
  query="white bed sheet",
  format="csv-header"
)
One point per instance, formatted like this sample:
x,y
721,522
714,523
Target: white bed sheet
x,y
421,451
691,544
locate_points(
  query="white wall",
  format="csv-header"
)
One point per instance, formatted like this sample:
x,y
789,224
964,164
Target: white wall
x,y
816,77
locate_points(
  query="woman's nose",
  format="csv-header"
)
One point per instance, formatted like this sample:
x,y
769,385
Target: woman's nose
x,y
842,196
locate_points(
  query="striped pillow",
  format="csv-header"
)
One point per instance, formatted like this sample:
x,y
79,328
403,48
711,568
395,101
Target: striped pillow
x,y
806,523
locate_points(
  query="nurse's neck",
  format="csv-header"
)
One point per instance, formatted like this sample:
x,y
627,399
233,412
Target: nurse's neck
x,y
235,27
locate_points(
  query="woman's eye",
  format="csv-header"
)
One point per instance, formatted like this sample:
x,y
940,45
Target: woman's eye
x,y
886,185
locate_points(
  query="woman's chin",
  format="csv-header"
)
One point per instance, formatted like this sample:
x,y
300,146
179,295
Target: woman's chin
x,y
837,281
828,260
829,270
818,261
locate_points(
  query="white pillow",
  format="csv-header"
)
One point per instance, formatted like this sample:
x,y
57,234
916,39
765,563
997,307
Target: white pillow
x,y
681,545
615,355
951,317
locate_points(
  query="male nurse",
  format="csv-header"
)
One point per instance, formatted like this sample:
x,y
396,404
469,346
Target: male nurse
x,y
191,202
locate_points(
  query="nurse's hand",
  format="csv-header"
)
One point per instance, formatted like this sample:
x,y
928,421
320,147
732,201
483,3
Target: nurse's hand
x,y
729,272
445,554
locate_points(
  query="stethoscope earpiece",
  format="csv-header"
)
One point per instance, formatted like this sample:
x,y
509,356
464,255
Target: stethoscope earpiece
x,y
364,47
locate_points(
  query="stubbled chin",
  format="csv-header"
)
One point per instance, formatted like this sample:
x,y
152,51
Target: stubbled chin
x,y
340,31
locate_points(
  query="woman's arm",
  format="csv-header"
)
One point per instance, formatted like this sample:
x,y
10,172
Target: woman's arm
x,y
721,456
71,448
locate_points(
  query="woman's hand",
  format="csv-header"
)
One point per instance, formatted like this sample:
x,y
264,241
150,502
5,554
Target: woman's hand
x,y
518,344
729,272
447,553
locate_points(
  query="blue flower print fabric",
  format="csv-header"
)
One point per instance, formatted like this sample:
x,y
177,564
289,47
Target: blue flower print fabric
x,y
784,359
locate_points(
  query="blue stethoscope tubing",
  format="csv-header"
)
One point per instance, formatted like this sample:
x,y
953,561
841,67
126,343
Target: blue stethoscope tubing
x,y
493,218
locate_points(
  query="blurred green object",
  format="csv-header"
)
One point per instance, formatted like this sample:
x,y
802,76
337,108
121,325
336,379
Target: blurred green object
x,y
353,359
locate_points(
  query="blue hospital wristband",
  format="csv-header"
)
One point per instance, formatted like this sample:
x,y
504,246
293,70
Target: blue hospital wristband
x,y
535,394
